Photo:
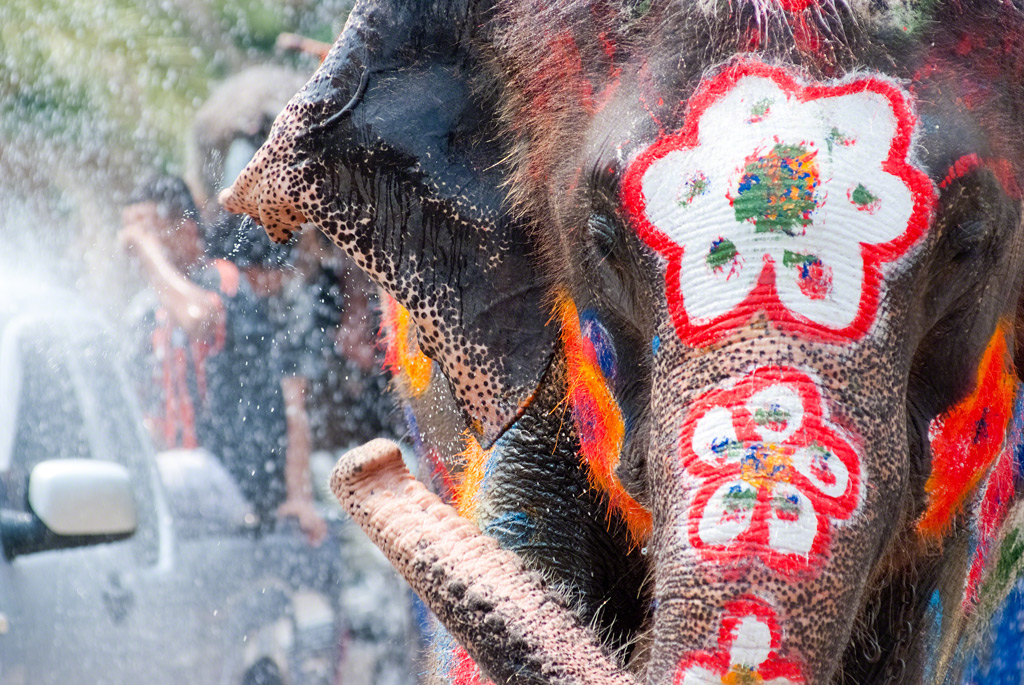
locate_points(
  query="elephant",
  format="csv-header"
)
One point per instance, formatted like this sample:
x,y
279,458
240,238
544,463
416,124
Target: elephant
x,y
683,427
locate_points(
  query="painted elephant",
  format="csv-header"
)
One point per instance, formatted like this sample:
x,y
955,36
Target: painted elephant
x,y
761,426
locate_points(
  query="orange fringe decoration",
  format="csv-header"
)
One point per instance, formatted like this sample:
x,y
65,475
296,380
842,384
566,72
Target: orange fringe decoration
x,y
467,492
403,356
598,421
967,438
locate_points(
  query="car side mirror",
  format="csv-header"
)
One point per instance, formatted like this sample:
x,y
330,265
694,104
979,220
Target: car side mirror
x,y
72,502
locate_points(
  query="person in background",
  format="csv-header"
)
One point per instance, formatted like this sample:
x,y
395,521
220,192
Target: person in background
x,y
281,289
351,404
321,307
226,131
324,348
205,336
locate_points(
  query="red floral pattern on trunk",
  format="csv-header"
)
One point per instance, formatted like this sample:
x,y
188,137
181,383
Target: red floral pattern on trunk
x,y
774,472
748,645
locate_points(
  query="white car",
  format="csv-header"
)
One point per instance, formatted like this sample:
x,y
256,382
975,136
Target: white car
x,y
119,567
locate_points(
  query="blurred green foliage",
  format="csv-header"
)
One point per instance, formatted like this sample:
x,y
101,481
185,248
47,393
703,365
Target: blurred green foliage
x,y
115,82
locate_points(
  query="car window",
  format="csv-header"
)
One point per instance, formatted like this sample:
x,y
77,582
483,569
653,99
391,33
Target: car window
x,y
49,423
108,409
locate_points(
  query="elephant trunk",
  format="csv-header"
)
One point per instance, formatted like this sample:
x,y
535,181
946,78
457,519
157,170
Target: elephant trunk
x,y
505,617
784,486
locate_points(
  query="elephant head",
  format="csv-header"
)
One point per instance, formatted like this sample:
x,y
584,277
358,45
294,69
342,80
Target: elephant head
x,y
747,273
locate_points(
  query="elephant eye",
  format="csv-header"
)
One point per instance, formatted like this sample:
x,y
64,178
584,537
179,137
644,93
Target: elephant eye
x,y
969,237
603,233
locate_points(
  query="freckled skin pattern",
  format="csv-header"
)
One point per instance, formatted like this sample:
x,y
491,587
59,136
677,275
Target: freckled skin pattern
x,y
475,159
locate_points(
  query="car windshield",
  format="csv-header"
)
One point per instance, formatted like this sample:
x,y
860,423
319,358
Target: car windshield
x,y
49,423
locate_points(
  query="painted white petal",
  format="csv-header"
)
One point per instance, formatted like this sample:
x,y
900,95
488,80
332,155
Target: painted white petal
x,y
752,644
719,525
844,221
866,120
696,223
664,185
845,268
829,474
778,398
792,536
714,429
730,119
709,293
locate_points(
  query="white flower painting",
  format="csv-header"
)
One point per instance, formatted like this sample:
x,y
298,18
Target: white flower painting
x,y
781,198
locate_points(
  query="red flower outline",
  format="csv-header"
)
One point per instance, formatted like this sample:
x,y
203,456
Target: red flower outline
x,y
721,662
764,297
812,430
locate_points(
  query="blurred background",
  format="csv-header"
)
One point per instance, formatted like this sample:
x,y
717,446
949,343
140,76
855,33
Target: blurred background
x,y
93,93
132,554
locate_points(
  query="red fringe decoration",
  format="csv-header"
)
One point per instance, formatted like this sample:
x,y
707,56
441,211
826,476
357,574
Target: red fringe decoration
x,y
968,437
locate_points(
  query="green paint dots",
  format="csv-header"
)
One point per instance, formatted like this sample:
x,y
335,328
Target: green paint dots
x,y
760,109
786,505
739,499
813,277
776,191
731,450
1006,570
641,9
1010,554
694,187
722,254
862,197
791,259
837,137
774,416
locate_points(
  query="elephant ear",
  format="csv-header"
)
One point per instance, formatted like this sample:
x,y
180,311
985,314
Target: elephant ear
x,y
391,150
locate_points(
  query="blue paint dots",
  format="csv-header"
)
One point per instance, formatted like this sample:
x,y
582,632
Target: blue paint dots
x,y
414,430
1017,433
512,530
720,445
594,332
656,344
933,626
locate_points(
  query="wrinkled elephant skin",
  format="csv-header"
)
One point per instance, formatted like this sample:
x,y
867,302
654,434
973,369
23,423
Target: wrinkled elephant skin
x,y
491,598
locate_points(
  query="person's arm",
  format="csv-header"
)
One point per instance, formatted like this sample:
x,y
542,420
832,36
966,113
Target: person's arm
x,y
298,488
197,310
293,42
354,339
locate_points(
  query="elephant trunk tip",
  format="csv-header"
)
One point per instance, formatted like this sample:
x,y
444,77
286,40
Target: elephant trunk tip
x,y
378,461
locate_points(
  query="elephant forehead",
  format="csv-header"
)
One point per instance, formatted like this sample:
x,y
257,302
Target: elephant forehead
x,y
784,197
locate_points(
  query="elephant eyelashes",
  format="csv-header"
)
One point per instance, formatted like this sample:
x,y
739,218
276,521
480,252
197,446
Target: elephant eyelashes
x,y
968,237
603,233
